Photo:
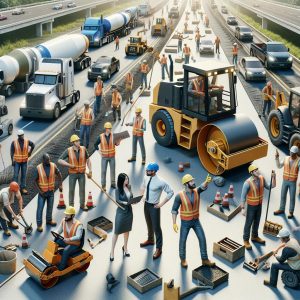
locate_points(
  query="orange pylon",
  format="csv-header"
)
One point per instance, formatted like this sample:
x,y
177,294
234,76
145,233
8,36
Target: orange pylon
x,y
61,202
25,243
89,203
231,191
217,198
225,202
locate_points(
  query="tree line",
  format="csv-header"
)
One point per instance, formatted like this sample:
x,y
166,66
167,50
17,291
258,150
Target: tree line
x,y
12,3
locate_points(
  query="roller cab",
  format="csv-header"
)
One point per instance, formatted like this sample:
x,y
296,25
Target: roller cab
x,y
137,45
199,110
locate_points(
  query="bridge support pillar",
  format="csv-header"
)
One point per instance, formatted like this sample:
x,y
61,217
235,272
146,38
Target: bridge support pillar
x,y
39,29
49,27
88,12
264,23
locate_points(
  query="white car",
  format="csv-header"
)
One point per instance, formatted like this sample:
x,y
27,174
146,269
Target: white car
x,y
18,11
57,6
71,5
206,47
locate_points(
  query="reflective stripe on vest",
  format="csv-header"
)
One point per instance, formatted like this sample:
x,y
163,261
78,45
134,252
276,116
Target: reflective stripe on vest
x,y
267,91
128,79
116,99
255,195
21,155
235,51
86,117
98,88
137,128
290,173
71,233
197,37
163,60
198,87
294,262
46,183
107,150
186,50
144,68
80,165
187,211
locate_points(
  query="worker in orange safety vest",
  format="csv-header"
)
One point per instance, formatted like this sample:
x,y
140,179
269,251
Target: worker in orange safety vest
x,y
116,100
98,92
117,42
86,116
144,69
186,53
164,66
267,94
235,53
128,87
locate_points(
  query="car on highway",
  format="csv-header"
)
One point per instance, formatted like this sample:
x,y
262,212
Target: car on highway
x,y
57,6
206,47
251,68
231,21
3,17
104,66
18,11
224,9
243,33
71,5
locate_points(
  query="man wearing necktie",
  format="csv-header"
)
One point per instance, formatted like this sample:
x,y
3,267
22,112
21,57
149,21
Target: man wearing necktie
x,y
154,185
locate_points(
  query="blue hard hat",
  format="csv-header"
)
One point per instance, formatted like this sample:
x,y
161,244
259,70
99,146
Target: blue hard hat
x,y
152,167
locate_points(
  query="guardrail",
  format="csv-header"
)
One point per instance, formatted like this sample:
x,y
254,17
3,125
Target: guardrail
x,y
8,9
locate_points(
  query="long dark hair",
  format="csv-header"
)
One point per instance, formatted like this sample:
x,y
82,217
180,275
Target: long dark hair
x,y
120,182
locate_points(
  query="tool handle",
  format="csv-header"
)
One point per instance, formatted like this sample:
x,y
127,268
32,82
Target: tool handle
x,y
269,196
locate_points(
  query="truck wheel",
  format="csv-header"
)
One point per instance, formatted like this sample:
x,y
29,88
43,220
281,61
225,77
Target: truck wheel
x,y
163,128
77,96
275,127
56,111
8,91
73,99
295,140
290,279
10,129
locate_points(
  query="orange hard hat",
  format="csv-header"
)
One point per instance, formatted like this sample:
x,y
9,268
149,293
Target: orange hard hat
x,y
14,187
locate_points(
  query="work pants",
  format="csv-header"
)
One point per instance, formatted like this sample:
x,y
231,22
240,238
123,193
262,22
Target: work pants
x,y
49,198
197,45
291,186
267,105
140,140
144,80
85,131
275,267
234,59
129,96
218,49
186,59
68,251
117,46
3,222
72,183
112,164
116,110
164,68
23,168
252,219
97,103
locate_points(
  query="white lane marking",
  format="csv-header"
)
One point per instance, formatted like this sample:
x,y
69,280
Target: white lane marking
x,y
27,124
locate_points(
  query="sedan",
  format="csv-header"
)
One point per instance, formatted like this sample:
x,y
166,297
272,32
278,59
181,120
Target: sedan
x,y
224,9
104,66
206,47
71,4
57,6
252,69
3,17
243,33
18,11
231,21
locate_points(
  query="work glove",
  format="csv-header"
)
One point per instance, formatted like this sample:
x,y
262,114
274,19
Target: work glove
x,y
89,175
175,227
60,188
208,178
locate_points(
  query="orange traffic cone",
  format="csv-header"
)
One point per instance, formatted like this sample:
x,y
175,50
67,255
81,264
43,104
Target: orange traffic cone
x,y
61,202
231,191
25,243
89,203
217,198
180,167
225,202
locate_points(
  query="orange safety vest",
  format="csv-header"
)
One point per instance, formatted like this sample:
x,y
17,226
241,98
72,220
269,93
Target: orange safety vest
x,y
128,78
107,150
137,128
255,195
267,90
198,87
116,99
163,60
290,173
81,164
217,41
187,211
21,155
86,117
144,68
197,37
46,183
98,90
186,50
71,233
235,51
117,40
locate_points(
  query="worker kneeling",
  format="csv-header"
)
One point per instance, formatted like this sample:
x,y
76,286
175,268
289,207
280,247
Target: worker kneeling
x,y
72,231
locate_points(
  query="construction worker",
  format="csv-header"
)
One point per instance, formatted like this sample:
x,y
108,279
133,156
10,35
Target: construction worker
x,y
86,116
197,40
164,66
117,42
186,27
153,185
139,127
98,91
20,151
78,159
7,197
128,87
46,172
149,24
217,43
234,53
253,194
186,53
267,93
107,152
180,39
290,166
144,69
189,202
289,259
72,231
206,21
116,100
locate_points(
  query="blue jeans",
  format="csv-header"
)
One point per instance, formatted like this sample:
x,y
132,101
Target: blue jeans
x,y
85,130
275,267
144,80
49,198
252,219
164,68
267,105
3,222
68,251
23,167
184,232
234,59
291,186
97,103
186,59
197,45
179,46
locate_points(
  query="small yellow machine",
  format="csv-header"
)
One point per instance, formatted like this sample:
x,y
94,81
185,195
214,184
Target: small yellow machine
x,y
137,45
199,110
159,28
43,268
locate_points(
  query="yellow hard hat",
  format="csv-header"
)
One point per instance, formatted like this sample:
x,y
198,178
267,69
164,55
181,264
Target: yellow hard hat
x,y
186,178
138,110
107,125
74,138
252,168
70,210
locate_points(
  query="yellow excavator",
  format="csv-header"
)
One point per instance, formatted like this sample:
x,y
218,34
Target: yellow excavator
x,y
199,110
137,45
159,28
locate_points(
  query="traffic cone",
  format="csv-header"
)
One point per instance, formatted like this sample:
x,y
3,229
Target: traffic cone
x,y
231,191
225,202
89,203
180,167
218,198
25,243
61,202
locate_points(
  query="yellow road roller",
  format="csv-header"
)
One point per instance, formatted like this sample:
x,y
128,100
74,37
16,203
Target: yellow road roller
x,y
159,28
43,268
199,110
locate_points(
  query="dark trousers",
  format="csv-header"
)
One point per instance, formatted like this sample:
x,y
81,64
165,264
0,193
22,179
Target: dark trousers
x,y
23,168
267,105
68,251
3,222
97,103
218,49
152,216
49,198
275,270
116,110
252,219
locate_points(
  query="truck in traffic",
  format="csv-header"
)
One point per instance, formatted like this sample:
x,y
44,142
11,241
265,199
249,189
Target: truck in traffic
x,y
195,5
52,90
144,9
272,54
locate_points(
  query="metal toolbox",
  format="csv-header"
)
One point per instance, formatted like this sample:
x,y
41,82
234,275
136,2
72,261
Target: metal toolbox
x,y
100,222
229,249
212,276
226,214
144,280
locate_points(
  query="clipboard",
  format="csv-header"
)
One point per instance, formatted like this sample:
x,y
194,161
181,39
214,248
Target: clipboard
x,y
135,200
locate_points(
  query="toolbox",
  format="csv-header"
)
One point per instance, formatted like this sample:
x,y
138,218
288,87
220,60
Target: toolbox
x,y
170,50
195,22
100,222
144,280
224,213
229,249
212,276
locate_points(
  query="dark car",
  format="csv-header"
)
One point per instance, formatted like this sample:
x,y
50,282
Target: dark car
x,y
251,68
3,17
231,21
224,9
243,33
18,11
104,66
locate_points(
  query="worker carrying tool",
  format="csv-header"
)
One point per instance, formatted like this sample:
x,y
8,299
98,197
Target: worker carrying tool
x,y
253,194
46,172
117,42
76,158
267,93
144,69
20,150
188,200
72,231
290,166
217,43
98,92
289,259
138,128
234,53
164,66
7,198
116,100
108,153
186,53
128,87
86,116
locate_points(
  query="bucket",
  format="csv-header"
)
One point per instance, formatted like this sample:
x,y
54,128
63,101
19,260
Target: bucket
x,y
8,262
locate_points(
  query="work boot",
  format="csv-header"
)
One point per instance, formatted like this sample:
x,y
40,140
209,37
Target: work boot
x,y
291,215
24,191
131,159
247,245
84,208
268,283
146,243
157,253
208,263
12,225
40,228
278,212
52,223
7,232
258,240
184,263
104,188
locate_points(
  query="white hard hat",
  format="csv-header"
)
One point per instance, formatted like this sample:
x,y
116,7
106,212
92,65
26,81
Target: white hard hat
x,y
294,149
283,233
234,44
86,102
144,61
20,132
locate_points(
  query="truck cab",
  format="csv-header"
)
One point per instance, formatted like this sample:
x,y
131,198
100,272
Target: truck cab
x,y
93,29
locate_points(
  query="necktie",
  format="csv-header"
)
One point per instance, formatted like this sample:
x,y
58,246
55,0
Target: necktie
x,y
148,186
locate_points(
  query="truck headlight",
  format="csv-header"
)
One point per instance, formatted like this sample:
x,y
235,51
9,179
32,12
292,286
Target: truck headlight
x,y
263,72
271,58
104,71
48,107
249,73
96,39
290,59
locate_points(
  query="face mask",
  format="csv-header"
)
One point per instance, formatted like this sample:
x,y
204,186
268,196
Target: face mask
x,y
191,186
